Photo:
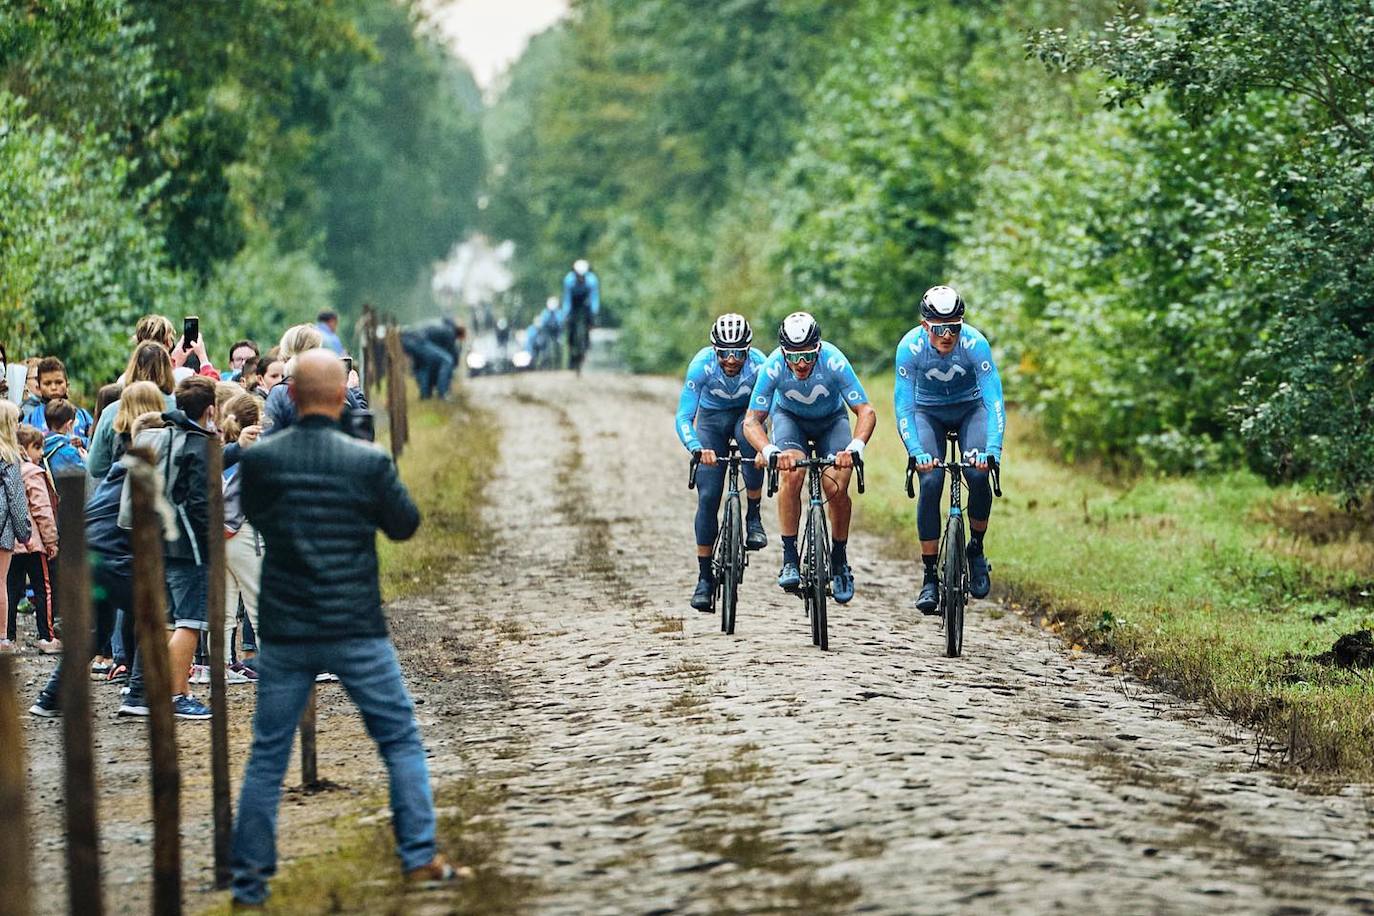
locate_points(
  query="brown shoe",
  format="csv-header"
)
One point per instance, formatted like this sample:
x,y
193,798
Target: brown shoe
x,y
437,870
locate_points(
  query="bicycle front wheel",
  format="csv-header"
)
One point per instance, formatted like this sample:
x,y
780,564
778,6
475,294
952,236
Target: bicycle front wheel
x,y
732,536
954,587
820,578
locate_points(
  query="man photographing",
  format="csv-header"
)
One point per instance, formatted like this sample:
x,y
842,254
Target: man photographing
x,y
318,498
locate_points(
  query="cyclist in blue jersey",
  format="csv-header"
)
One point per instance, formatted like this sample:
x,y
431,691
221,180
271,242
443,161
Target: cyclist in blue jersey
x,y
580,307
805,386
715,396
946,380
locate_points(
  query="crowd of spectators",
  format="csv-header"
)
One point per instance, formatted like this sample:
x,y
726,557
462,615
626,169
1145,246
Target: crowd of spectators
x,y
170,400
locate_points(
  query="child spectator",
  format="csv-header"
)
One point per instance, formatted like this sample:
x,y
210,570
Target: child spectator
x,y
31,565
243,544
148,363
180,451
60,453
249,375
52,385
14,503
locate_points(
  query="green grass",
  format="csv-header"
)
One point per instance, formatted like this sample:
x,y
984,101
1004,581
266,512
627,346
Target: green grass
x,y
1218,587
446,466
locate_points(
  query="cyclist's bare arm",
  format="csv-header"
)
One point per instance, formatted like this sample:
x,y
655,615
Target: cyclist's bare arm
x,y
866,420
756,434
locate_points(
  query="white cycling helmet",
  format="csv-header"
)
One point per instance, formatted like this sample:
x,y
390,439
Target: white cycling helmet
x,y
731,330
551,303
799,331
580,267
942,303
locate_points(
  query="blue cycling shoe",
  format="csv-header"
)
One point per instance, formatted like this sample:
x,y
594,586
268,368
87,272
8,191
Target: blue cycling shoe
x,y
755,538
979,582
842,584
928,602
701,598
790,577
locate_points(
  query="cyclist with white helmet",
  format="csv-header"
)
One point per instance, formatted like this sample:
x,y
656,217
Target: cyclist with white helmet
x,y
580,307
946,380
805,386
715,396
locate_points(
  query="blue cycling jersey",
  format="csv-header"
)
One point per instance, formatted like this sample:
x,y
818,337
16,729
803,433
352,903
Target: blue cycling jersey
x,y
831,385
707,387
925,378
587,295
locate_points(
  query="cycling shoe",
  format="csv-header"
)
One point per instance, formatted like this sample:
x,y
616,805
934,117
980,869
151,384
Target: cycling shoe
x,y
755,538
701,598
929,600
979,582
842,584
790,577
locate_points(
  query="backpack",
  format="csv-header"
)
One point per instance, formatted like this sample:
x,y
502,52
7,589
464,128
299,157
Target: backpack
x,y
170,448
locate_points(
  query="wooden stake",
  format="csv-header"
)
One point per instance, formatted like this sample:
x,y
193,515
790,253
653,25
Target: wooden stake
x,y
150,612
15,868
310,770
74,600
219,705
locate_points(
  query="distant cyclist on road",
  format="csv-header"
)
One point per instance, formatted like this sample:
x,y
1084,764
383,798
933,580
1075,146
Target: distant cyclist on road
x,y
715,397
806,384
946,380
581,305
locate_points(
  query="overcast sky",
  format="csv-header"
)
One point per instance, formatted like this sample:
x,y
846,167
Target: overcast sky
x,y
490,34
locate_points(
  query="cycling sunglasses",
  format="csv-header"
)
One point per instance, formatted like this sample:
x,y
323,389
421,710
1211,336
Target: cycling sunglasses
x,y
803,356
946,330
732,352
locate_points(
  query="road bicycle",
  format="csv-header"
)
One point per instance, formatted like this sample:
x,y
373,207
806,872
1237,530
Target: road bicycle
x,y
731,556
579,338
814,549
952,566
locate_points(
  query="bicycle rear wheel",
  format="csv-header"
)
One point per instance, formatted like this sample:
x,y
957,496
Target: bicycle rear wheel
x,y
732,537
820,578
953,587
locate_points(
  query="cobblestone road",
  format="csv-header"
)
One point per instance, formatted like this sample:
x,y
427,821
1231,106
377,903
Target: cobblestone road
x,y
654,765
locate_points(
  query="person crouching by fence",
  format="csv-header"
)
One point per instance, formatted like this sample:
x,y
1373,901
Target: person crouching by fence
x,y
318,498
181,458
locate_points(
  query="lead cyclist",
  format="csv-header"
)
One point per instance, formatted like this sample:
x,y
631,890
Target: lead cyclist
x,y
710,413
946,380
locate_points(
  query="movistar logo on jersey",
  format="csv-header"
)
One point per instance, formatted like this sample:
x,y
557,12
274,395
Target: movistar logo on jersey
x,y
775,371
946,376
820,391
739,392
836,363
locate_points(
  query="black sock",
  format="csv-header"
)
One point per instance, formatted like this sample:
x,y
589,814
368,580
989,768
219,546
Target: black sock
x,y
929,560
838,555
975,540
789,549
752,513
705,565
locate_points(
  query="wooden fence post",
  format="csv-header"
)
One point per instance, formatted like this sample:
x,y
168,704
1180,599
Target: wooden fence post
x,y
219,651
396,392
15,853
150,611
74,599
310,769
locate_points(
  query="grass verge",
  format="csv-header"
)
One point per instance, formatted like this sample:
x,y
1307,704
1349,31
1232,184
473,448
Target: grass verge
x,y
446,466
1218,587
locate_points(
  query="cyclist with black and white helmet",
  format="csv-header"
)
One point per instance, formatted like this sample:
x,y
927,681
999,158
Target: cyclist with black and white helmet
x,y
805,387
715,396
947,380
581,304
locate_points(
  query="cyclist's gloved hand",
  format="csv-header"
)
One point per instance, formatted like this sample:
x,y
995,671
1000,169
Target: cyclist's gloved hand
x,y
762,458
922,461
852,454
707,456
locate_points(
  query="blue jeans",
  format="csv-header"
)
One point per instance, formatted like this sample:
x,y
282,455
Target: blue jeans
x,y
433,368
369,671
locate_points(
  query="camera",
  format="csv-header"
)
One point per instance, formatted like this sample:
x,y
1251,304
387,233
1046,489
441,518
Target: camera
x,y
360,424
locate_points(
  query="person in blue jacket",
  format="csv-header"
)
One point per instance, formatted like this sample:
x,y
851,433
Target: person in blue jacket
x,y
805,386
946,380
580,307
710,412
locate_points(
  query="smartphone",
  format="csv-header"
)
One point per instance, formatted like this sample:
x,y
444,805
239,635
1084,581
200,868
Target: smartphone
x,y
190,329
348,364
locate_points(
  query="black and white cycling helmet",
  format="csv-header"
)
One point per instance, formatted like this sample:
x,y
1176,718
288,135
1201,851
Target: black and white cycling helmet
x,y
731,330
799,332
580,267
942,303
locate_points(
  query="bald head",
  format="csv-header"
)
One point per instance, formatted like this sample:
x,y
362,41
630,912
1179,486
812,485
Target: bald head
x,y
317,384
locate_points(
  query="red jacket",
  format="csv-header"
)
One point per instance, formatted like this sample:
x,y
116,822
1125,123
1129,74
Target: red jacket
x,y
42,512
